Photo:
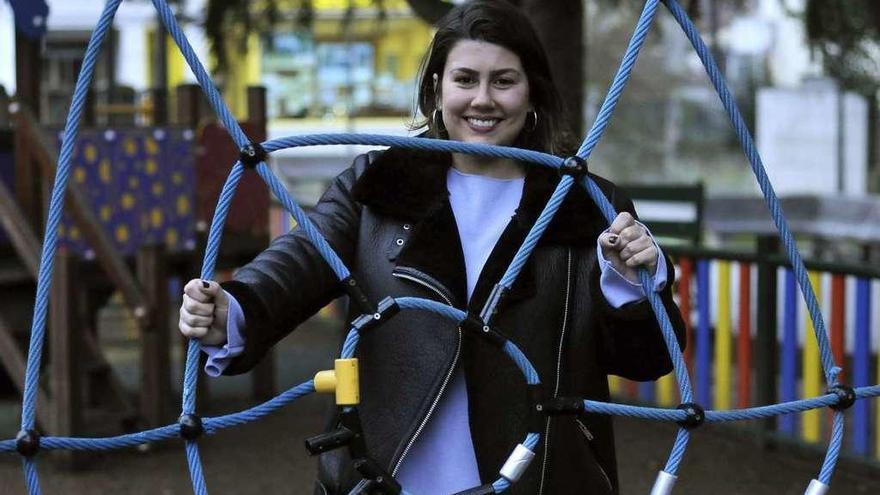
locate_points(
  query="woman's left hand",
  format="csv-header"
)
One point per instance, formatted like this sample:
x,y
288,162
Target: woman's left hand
x,y
627,245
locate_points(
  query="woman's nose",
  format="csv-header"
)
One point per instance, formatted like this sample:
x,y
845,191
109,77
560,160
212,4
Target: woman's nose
x,y
483,97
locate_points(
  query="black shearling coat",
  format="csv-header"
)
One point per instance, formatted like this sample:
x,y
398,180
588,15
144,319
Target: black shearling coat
x,y
389,219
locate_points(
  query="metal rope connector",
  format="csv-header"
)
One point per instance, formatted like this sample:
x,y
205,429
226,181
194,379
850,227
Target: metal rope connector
x,y
252,154
357,296
27,443
348,433
517,463
846,397
380,480
475,325
696,415
191,426
664,483
574,166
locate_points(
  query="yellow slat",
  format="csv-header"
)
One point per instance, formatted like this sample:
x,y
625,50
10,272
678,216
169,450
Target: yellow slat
x,y
666,390
811,429
723,339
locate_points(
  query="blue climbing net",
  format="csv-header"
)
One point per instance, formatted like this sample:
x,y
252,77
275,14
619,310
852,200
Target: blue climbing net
x,y
28,442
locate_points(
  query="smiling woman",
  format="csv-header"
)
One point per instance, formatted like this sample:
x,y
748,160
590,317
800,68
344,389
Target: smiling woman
x,y
441,407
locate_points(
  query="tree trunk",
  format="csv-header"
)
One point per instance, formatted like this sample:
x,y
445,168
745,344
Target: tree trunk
x,y
560,25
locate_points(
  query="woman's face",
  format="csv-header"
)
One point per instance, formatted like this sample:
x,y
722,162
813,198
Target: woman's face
x,y
484,94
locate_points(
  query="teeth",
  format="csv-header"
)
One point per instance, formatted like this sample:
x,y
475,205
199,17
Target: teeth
x,y
482,122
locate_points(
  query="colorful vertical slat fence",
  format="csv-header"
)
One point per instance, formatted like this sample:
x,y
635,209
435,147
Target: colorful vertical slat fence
x,y
714,290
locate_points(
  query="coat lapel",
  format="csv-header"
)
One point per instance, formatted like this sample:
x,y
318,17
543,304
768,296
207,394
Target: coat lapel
x,y
410,186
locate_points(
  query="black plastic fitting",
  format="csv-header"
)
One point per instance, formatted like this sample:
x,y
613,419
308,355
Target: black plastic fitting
x,y
252,154
574,166
191,426
382,480
846,397
558,406
357,296
332,440
27,443
474,325
387,308
480,490
696,415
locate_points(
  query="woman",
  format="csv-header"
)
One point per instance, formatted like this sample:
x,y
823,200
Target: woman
x,y
440,410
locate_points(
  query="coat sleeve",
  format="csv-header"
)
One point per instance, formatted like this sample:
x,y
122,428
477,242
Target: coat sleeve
x,y
290,281
632,341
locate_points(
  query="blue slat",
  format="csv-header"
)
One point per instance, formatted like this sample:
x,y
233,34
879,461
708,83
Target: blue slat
x,y
704,336
861,436
789,358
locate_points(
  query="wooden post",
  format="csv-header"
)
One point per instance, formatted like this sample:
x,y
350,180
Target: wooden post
x,y
190,102
160,106
766,349
256,106
155,340
65,348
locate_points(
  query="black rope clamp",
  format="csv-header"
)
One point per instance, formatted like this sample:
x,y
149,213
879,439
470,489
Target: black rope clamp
x,y
27,443
557,406
696,415
348,433
480,490
387,308
574,166
474,325
846,397
191,426
381,481
252,154
357,296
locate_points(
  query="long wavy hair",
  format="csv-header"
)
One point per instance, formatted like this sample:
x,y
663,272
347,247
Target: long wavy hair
x,y
500,23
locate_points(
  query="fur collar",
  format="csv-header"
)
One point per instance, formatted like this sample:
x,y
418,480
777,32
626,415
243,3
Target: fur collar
x,y
410,185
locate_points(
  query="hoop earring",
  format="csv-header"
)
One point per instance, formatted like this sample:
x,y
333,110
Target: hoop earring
x,y
438,124
535,124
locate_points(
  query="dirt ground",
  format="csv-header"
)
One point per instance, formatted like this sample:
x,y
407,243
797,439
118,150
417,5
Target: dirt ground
x,y
268,457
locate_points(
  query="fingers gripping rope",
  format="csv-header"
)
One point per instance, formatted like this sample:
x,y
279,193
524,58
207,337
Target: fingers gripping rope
x,y
190,426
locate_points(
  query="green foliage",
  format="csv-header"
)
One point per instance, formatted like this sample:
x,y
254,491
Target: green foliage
x,y
847,35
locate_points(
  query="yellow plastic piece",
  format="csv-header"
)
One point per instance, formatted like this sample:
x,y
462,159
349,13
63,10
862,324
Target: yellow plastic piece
x,y
811,423
343,380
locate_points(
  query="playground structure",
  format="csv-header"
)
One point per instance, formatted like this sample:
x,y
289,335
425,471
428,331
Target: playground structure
x,y
690,415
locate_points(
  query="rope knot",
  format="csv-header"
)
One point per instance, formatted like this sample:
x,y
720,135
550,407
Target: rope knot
x,y
252,154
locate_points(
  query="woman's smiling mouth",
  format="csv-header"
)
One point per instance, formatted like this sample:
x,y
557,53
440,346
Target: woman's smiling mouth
x,y
482,124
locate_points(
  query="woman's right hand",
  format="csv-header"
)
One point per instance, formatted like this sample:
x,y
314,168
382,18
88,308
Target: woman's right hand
x,y
204,312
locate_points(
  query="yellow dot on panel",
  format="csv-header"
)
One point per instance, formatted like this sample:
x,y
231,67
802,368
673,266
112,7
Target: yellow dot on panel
x,y
74,233
158,188
151,167
177,178
104,171
182,205
60,230
91,153
122,233
151,146
156,218
127,201
79,175
130,146
106,211
134,182
171,237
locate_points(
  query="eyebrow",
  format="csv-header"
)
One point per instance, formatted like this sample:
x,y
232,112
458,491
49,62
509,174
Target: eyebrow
x,y
493,73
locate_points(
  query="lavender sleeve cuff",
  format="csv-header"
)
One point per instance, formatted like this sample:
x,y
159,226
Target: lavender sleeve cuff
x,y
219,357
617,289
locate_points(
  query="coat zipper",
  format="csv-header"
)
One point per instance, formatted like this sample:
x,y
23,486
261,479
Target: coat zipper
x,y
446,379
589,436
558,373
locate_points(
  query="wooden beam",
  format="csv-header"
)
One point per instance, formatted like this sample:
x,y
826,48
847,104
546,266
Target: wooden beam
x,y
13,359
155,338
65,347
77,206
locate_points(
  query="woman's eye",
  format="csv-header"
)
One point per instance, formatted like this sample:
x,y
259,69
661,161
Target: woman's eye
x,y
463,79
505,82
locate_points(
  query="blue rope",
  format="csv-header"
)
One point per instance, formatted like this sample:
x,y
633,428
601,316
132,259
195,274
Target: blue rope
x,y
213,425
